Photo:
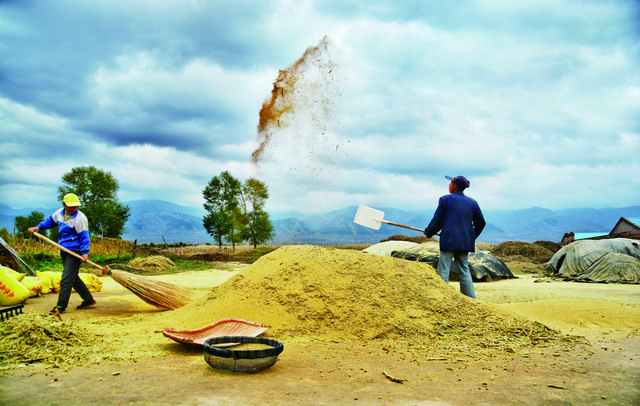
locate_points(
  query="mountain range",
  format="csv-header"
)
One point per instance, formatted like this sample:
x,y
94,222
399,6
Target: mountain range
x,y
158,220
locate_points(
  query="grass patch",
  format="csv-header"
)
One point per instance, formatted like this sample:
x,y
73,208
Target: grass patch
x,y
182,265
42,261
111,259
252,255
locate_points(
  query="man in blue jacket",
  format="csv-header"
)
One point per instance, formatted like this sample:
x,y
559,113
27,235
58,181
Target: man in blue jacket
x,y
73,234
461,221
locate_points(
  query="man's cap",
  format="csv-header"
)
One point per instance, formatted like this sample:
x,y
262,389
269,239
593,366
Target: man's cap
x,y
71,200
461,181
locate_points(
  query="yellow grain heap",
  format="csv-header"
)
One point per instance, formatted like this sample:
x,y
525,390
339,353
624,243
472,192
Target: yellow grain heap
x,y
523,251
335,294
305,293
153,263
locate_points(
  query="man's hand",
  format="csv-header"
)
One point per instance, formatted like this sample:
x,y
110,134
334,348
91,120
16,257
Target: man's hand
x,y
85,257
32,230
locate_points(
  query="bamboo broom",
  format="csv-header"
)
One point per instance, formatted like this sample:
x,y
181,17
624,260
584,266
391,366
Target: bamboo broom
x,y
157,293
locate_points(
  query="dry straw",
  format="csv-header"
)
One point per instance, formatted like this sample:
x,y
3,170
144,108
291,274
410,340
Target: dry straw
x,y
32,337
157,293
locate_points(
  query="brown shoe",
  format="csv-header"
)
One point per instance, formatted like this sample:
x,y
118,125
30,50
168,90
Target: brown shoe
x,y
86,304
56,310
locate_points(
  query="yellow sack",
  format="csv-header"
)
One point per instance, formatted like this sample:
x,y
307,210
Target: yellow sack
x,y
54,278
11,291
94,284
47,287
33,284
15,274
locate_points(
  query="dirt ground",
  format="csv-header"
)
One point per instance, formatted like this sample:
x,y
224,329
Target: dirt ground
x,y
605,371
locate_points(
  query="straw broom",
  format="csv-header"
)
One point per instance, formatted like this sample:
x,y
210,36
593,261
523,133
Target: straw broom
x,y
157,293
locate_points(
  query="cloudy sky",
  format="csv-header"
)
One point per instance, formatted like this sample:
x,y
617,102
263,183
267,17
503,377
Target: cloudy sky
x,y
536,102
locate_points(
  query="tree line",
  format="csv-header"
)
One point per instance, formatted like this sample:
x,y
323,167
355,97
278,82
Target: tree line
x,y
234,209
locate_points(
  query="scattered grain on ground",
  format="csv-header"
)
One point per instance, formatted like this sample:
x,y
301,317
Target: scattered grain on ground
x,y
315,294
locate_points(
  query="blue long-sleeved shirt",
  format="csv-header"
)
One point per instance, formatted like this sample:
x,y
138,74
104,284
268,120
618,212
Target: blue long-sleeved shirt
x,y
461,221
73,233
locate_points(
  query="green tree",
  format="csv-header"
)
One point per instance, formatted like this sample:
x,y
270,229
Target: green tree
x,y
97,190
220,201
218,224
257,227
22,223
4,234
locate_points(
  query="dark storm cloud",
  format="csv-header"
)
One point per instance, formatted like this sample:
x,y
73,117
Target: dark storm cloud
x,y
51,49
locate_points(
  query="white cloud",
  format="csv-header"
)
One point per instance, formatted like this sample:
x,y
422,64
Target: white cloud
x,y
536,102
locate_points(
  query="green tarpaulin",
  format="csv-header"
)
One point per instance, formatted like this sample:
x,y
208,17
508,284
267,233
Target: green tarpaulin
x,y
615,260
483,265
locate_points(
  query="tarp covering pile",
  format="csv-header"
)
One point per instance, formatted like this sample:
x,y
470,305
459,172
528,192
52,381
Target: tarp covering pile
x,y
483,265
615,260
387,247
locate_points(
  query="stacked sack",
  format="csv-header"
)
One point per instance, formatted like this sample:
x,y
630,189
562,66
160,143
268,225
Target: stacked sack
x,y
16,287
12,292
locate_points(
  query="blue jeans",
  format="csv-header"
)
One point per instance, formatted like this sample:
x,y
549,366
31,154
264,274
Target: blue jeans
x,y
70,279
462,261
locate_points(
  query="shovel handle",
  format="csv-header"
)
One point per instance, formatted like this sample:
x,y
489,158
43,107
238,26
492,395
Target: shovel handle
x,y
104,269
403,226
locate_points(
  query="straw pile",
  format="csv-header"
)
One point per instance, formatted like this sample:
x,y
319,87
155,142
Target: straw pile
x,y
153,262
30,338
518,250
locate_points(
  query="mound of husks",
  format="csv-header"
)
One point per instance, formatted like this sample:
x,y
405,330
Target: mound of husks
x,y
154,262
304,293
518,250
38,338
339,295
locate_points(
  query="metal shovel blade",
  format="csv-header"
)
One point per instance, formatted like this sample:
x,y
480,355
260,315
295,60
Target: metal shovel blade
x,y
369,217
372,218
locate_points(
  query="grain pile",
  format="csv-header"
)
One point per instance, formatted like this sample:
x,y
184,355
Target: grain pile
x,y
518,250
339,295
306,293
153,263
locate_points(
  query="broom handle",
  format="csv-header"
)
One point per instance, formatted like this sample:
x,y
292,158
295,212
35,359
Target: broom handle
x,y
104,269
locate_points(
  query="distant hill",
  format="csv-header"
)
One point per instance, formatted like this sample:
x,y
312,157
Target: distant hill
x,y
528,225
151,220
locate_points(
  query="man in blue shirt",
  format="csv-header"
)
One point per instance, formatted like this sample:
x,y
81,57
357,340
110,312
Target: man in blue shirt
x,y
73,234
461,221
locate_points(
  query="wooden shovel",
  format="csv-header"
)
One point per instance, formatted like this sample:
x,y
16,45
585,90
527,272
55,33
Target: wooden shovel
x,y
372,218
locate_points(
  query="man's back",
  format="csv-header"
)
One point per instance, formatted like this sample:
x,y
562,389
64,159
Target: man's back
x,y
461,221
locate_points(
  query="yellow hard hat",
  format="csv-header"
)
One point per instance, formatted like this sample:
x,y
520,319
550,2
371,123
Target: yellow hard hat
x,y
71,200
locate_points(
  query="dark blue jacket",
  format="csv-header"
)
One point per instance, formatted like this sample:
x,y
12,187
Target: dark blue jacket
x,y
461,221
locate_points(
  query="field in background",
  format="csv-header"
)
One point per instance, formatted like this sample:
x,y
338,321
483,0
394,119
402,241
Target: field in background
x,y
520,257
